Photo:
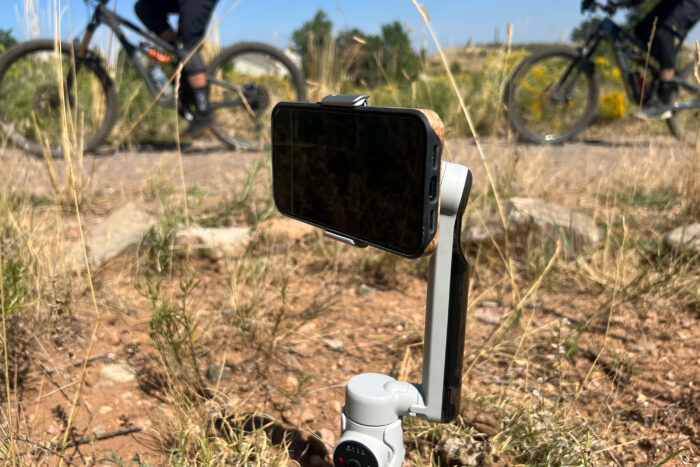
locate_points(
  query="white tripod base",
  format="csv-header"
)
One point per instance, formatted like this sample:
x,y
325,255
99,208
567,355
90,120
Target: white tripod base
x,y
371,427
370,446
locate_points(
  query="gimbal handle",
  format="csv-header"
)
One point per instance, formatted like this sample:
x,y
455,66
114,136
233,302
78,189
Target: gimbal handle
x,y
372,435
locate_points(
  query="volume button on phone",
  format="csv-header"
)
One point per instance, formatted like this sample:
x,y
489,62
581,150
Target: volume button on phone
x,y
432,189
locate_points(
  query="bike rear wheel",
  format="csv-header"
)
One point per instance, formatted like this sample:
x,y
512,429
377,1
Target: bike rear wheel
x,y
246,80
685,123
44,104
551,96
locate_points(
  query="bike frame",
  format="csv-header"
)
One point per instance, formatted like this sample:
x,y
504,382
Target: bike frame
x,y
103,15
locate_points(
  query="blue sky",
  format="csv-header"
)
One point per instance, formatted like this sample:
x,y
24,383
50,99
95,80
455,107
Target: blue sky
x,y
456,21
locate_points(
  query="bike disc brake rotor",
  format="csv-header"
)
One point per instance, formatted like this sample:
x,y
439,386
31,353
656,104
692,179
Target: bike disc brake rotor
x,y
47,101
257,97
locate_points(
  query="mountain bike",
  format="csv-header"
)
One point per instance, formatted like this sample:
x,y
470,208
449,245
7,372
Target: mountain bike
x,y
52,90
553,94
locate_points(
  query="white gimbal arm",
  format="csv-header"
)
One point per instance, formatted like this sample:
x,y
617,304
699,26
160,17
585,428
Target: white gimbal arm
x,y
372,434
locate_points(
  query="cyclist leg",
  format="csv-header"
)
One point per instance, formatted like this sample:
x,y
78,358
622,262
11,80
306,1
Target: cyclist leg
x,y
193,20
154,15
679,17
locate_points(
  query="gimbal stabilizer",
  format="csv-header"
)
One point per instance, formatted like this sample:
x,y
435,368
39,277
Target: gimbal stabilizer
x,y
372,434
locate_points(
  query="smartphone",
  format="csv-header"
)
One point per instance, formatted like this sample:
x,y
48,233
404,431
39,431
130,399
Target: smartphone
x,y
367,174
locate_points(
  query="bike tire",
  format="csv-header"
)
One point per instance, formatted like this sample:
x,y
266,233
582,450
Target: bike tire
x,y
269,74
27,73
685,123
538,117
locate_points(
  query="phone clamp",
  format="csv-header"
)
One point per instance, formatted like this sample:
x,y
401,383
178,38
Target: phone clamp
x,y
372,434
346,100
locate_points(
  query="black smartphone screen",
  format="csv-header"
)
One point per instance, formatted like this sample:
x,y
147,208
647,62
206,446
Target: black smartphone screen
x,y
357,172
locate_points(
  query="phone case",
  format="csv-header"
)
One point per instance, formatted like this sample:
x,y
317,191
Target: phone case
x,y
434,144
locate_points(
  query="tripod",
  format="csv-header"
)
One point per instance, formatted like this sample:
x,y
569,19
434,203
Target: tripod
x,y
372,434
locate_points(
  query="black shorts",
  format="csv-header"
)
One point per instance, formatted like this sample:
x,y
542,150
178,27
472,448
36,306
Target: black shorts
x,y
674,18
193,18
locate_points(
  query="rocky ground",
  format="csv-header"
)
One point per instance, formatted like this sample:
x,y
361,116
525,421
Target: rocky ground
x,y
319,313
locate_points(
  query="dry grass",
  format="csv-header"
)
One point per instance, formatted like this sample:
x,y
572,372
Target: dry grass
x,y
275,312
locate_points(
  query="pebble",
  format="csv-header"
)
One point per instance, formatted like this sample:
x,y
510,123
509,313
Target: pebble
x,y
214,371
115,338
105,409
488,316
291,383
364,290
118,372
334,344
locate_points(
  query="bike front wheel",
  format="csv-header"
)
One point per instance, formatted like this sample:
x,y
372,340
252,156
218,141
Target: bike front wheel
x,y
552,95
48,104
685,121
246,80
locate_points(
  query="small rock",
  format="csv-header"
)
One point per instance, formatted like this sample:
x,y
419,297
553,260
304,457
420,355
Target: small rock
x,y
214,242
105,409
214,371
364,290
115,338
118,372
488,316
308,328
290,417
291,383
644,347
307,416
480,419
334,344
685,238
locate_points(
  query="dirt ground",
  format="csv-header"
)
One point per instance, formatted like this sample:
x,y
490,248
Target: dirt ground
x,y
344,321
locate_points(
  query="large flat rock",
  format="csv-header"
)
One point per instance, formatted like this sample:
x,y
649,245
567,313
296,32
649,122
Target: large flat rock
x,y
531,221
685,238
117,233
